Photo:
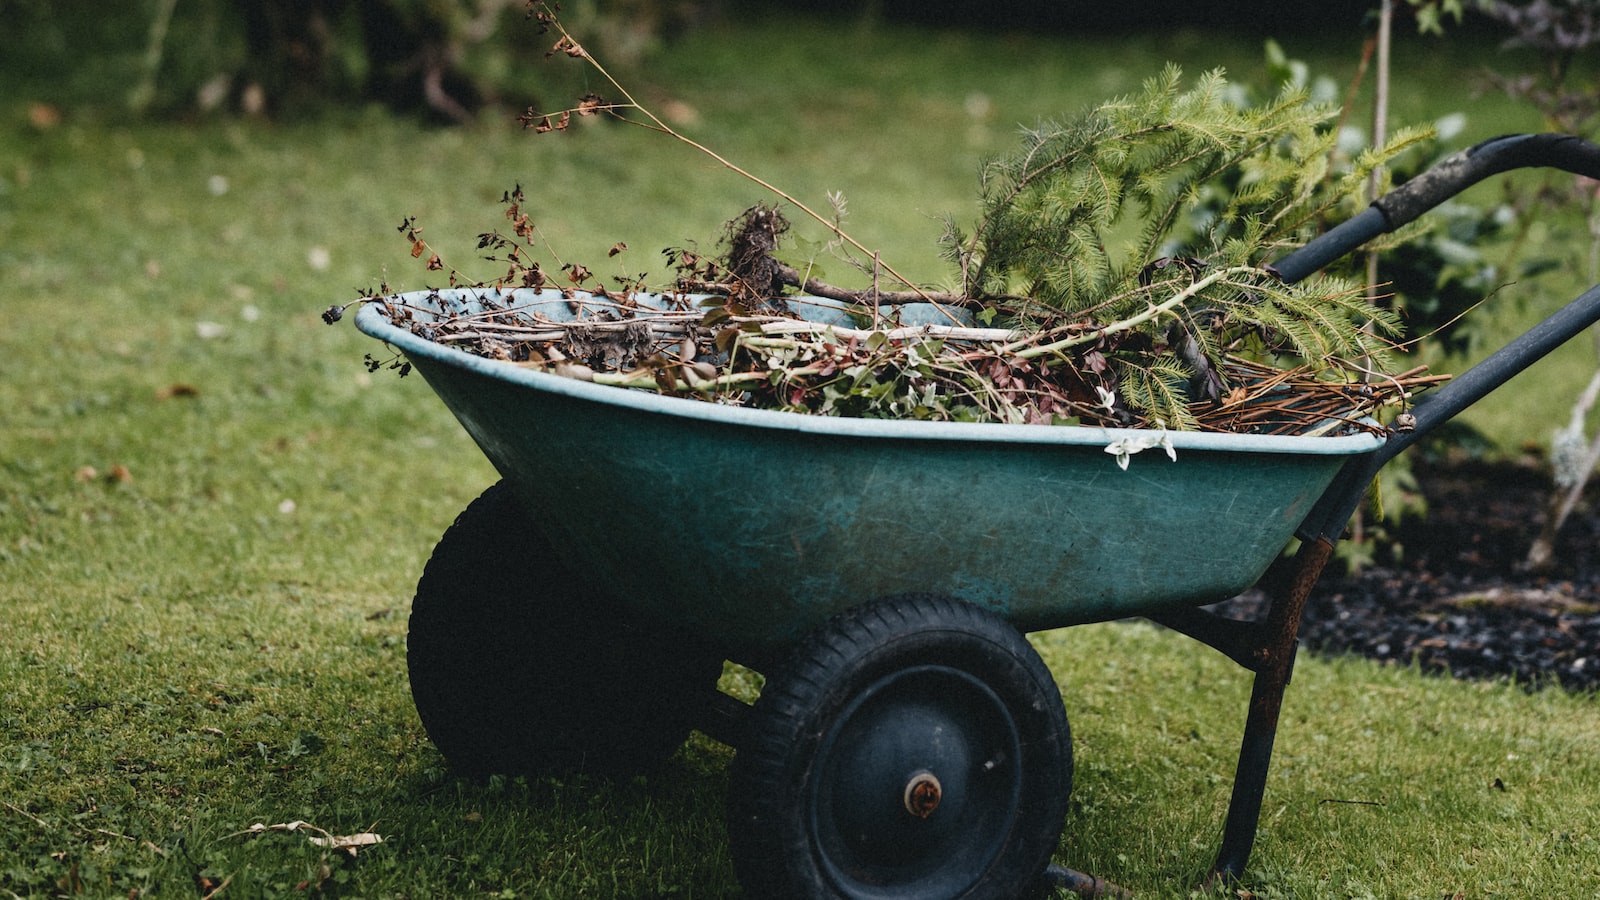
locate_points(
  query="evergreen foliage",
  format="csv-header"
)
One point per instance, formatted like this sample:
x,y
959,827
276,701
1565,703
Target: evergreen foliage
x,y
1122,210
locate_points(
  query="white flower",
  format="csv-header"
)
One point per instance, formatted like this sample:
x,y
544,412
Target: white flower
x,y
1108,399
1124,448
1166,443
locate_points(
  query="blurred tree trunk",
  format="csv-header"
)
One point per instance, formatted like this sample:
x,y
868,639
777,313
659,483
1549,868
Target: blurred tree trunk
x,y
412,51
291,49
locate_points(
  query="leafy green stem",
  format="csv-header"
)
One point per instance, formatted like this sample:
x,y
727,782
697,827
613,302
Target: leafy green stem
x,y
1150,314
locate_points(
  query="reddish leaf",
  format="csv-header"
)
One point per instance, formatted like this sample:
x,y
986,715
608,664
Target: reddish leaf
x,y
726,337
178,389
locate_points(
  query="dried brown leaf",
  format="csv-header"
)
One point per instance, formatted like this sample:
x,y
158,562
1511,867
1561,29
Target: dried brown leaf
x,y
349,843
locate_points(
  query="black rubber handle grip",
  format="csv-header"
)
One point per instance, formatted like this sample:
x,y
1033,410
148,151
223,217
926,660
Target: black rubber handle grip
x,y
1462,170
1448,178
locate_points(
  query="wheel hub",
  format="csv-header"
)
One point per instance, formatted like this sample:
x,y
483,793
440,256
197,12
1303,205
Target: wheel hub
x,y
922,794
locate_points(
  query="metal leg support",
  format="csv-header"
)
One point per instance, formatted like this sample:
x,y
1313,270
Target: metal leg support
x,y
1086,886
1273,664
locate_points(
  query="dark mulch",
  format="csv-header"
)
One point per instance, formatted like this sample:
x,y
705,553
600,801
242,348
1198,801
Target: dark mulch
x,y
1457,599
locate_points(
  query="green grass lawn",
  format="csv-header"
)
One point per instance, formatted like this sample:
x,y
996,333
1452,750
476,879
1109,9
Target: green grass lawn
x,y
211,514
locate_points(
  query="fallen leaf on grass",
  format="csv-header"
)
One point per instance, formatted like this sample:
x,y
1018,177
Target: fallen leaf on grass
x,y
177,390
119,474
44,116
349,843
209,888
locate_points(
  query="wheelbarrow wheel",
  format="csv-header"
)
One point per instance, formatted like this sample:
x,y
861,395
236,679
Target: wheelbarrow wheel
x,y
912,748
518,666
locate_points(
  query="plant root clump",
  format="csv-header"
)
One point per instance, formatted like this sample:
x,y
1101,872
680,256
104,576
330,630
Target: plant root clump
x,y
752,243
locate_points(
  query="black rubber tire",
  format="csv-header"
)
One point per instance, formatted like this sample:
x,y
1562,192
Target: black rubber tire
x,y
873,701
519,667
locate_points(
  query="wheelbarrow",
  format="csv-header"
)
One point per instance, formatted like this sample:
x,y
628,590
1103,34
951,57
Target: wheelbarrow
x,y
908,742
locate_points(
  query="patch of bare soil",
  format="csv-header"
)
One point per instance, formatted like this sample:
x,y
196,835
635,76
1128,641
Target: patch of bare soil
x,y
1457,599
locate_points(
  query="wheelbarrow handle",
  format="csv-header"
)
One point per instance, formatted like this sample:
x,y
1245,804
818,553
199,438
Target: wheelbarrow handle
x,y
1448,178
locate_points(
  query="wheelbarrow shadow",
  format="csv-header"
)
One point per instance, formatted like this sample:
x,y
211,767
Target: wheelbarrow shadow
x,y
648,836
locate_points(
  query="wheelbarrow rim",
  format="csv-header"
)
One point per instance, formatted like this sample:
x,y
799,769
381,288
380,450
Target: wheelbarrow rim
x,y
371,320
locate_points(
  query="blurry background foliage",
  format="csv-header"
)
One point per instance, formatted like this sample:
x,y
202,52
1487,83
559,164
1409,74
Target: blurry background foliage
x,y
289,58
450,58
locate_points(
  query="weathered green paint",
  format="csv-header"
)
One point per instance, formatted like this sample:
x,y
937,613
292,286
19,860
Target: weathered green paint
x,y
752,526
